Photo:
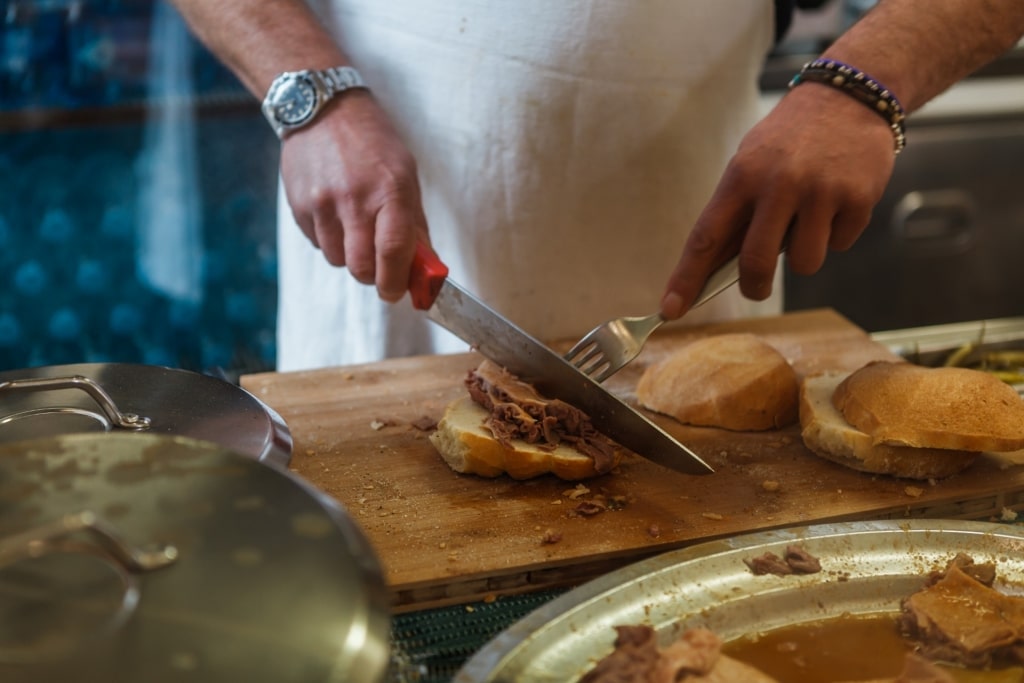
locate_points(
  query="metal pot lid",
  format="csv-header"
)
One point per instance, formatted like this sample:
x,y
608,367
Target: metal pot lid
x,y
143,557
110,397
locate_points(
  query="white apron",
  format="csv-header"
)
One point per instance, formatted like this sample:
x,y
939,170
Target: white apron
x,y
565,148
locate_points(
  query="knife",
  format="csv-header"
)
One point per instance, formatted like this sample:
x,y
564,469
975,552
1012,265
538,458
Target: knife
x,y
500,340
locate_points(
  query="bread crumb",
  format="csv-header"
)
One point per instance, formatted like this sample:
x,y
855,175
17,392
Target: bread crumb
x,y
442,545
490,597
310,451
378,425
913,491
469,608
551,536
1008,515
556,502
711,515
770,485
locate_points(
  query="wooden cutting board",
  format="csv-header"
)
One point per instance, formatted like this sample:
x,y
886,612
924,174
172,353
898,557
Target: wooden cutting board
x,y
445,538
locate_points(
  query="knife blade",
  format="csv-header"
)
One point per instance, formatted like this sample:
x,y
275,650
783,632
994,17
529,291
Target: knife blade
x,y
500,340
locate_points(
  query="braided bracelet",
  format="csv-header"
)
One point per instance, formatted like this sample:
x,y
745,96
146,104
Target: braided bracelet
x,y
861,87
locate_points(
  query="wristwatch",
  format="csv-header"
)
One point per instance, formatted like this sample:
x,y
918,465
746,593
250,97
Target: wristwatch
x,y
295,97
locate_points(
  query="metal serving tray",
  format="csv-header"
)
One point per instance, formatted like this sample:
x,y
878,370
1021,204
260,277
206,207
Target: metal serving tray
x,y
867,567
933,344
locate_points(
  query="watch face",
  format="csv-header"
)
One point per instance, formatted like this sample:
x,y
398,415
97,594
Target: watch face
x,y
295,100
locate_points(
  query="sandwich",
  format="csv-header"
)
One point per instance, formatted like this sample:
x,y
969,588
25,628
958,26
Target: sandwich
x,y
905,420
504,426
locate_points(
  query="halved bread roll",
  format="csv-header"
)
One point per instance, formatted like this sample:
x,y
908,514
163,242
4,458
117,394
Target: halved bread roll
x,y
734,381
827,433
901,404
470,448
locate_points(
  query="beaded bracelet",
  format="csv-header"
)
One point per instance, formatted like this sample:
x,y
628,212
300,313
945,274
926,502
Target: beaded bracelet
x,y
860,86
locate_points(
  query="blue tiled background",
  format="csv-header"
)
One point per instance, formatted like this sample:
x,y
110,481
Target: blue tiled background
x,y
76,137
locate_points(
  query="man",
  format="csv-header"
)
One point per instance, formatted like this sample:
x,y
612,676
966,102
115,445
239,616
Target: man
x,y
557,154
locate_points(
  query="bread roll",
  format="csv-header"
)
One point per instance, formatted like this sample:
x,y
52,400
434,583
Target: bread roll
x,y
469,447
826,433
901,404
734,381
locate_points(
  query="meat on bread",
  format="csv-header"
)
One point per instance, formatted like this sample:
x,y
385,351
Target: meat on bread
x,y
504,426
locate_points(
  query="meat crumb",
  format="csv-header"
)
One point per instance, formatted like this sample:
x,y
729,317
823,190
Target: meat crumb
x,y
913,491
654,531
589,508
425,423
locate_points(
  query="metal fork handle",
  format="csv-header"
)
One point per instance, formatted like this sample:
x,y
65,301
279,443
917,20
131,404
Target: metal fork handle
x,y
724,277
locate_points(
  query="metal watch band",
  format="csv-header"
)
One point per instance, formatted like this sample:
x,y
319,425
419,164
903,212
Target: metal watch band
x,y
340,78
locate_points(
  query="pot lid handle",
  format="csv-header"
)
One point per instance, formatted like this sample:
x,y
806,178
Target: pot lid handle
x,y
40,539
102,398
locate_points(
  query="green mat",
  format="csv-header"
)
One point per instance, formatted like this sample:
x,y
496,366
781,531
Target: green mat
x,y
431,645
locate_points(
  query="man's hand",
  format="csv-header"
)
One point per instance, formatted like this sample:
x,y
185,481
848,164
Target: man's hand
x,y
808,175
354,192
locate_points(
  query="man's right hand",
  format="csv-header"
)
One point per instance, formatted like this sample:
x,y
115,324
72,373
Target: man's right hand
x,y
353,189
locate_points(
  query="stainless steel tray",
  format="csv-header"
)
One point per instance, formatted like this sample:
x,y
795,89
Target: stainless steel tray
x,y
867,567
931,345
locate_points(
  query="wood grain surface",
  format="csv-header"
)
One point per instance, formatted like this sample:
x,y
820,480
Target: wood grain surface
x,y
445,538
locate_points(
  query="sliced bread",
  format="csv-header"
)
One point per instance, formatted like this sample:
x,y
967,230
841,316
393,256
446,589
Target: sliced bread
x,y
902,404
827,434
733,381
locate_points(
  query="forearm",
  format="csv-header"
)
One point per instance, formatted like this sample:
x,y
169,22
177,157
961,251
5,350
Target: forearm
x,y
918,48
258,39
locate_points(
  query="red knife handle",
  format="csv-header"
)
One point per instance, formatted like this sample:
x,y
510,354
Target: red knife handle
x,y
426,277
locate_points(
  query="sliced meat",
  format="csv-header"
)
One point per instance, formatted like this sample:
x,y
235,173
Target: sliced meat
x,y
802,561
958,619
632,660
517,411
795,560
694,658
768,563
